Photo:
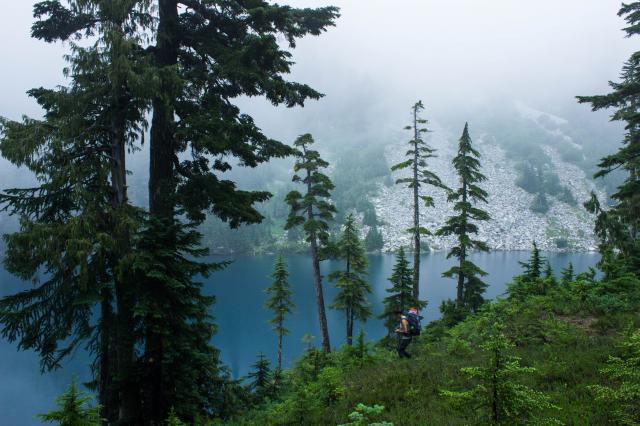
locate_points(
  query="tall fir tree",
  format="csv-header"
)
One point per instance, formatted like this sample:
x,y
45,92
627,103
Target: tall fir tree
x,y
618,227
236,53
210,53
312,210
470,286
401,292
279,302
421,176
352,286
78,223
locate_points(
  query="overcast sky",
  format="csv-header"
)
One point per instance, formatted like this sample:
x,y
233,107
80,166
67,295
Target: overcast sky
x,y
389,53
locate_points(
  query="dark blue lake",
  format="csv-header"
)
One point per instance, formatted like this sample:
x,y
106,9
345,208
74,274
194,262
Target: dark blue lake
x,y
243,328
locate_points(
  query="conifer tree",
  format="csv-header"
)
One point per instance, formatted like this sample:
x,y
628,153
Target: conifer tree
x,y
361,349
78,223
210,53
548,272
312,210
549,279
567,275
497,398
173,419
373,240
73,410
533,268
618,227
236,53
278,383
401,292
467,165
352,286
190,364
279,302
421,176
260,377
532,281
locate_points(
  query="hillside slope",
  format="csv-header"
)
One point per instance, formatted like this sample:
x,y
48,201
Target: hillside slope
x,y
566,331
563,184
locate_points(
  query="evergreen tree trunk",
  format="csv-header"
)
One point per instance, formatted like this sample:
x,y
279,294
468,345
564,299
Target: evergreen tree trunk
x,y
350,326
324,330
322,315
460,289
161,179
104,362
463,249
416,212
161,195
124,318
125,354
280,348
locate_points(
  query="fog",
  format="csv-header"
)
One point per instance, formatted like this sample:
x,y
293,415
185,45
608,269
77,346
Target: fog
x,y
460,57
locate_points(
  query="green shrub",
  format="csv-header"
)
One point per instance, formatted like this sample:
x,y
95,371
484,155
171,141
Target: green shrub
x,y
497,398
622,396
364,415
73,409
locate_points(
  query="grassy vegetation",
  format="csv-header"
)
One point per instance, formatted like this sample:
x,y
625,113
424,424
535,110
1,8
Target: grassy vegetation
x,y
565,330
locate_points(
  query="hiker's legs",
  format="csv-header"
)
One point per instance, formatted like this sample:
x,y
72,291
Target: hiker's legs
x,y
402,346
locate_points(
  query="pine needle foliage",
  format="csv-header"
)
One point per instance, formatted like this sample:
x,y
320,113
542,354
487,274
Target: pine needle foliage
x,y
77,223
73,409
279,302
421,176
533,267
173,419
623,394
618,227
498,398
313,211
353,289
206,55
260,378
567,275
463,224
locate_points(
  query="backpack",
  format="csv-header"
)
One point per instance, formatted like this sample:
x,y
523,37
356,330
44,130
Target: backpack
x,y
414,323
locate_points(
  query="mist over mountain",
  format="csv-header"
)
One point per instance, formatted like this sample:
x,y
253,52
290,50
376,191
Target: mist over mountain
x,y
375,64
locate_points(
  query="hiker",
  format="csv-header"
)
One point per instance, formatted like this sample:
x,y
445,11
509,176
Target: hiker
x,y
409,326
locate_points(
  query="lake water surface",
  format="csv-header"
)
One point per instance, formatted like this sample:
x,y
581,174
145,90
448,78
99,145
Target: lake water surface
x,y
242,321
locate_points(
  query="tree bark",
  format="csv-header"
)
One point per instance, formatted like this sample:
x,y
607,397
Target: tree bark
x,y
127,392
324,330
463,249
161,197
350,326
322,316
280,349
349,312
104,356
